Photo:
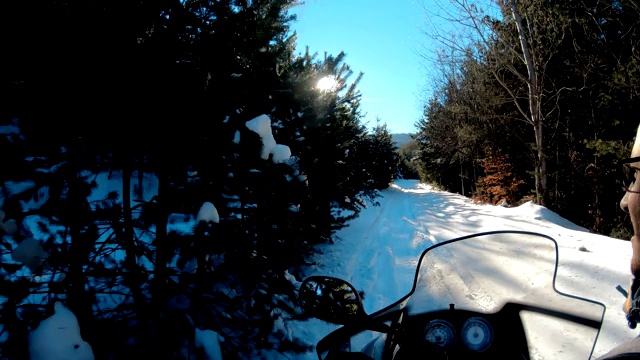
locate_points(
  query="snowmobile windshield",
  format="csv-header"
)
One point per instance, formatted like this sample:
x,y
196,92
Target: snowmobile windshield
x,y
490,271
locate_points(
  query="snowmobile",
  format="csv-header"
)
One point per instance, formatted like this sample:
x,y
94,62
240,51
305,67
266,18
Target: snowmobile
x,y
489,295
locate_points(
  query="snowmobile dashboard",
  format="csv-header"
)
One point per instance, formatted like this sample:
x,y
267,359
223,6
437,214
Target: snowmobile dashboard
x,y
454,333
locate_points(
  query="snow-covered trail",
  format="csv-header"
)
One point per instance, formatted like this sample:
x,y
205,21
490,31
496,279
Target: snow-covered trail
x,y
378,252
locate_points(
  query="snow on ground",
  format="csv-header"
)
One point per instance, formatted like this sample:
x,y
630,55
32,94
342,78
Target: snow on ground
x,y
378,251
58,337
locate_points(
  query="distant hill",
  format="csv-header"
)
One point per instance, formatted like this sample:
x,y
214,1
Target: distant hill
x,y
401,139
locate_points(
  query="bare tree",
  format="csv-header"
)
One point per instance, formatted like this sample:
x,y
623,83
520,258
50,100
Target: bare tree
x,y
486,27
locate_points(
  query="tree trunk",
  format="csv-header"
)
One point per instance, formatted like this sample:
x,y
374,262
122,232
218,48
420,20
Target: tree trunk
x,y
140,181
461,178
133,275
160,277
78,299
128,240
534,109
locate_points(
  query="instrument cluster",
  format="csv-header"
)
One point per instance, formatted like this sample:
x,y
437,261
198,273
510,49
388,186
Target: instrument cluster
x,y
475,333
460,334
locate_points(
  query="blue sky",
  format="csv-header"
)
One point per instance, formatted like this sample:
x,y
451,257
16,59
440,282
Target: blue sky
x,y
381,38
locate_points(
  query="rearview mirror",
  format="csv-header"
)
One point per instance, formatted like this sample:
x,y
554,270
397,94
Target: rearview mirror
x,y
331,299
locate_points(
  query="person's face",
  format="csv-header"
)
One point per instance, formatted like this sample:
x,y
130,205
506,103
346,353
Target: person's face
x,y
630,203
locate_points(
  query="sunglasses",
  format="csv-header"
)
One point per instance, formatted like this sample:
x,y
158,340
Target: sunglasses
x,y
629,173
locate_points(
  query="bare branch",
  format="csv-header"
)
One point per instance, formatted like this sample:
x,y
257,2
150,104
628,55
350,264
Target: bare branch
x,y
515,98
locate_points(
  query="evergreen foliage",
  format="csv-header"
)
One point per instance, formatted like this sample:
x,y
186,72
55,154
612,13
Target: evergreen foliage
x,y
201,227
408,166
383,157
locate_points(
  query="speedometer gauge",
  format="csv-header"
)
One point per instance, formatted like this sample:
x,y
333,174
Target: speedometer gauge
x,y
477,334
439,332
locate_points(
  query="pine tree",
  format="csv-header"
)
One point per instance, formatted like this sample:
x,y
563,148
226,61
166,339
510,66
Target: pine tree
x,y
190,76
383,158
408,165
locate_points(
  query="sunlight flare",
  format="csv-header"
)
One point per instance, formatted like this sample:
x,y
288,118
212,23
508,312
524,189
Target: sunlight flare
x,y
327,83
